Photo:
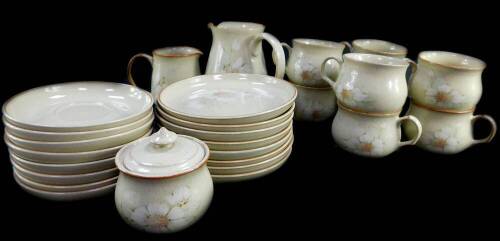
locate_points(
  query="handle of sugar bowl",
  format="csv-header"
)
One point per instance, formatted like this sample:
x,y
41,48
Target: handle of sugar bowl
x,y
278,54
324,76
493,131
416,122
131,63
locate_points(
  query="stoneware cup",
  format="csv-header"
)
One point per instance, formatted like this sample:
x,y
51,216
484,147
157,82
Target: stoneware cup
x,y
380,47
371,135
305,59
314,104
447,81
447,133
370,83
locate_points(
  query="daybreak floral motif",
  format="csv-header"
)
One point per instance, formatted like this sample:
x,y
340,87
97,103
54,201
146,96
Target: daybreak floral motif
x,y
232,62
444,139
443,95
307,71
172,215
350,95
366,142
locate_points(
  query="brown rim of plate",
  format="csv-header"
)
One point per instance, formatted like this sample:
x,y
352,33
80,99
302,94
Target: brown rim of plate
x,y
376,114
201,164
449,111
313,88
196,52
481,62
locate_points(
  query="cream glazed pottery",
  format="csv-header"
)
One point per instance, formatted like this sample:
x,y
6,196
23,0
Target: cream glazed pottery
x,y
371,135
447,81
237,48
307,55
170,64
314,104
164,185
380,47
370,83
447,133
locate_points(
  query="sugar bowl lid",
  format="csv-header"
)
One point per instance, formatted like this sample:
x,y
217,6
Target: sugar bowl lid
x,y
161,155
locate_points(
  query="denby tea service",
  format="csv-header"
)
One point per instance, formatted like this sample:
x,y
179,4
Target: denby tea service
x,y
447,81
170,64
73,141
372,135
447,133
164,183
237,48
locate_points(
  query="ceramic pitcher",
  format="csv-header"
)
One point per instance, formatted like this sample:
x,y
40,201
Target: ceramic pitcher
x,y
447,133
306,56
169,64
370,83
237,48
447,81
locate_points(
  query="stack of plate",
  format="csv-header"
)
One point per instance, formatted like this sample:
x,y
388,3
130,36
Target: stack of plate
x,y
63,138
246,121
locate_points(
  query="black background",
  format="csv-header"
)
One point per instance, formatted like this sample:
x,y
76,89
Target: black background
x,y
322,190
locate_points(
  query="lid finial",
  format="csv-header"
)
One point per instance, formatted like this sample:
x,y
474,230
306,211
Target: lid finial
x,y
163,138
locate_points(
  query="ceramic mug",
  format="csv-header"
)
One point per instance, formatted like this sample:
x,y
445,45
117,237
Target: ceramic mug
x,y
370,83
314,104
169,64
447,81
371,135
447,133
380,47
305,59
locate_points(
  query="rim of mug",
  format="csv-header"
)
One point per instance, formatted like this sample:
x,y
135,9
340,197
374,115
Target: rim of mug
x,y
403,52
313,88
318,43
376,59
238,25
480,64
361,112
194,51
449,111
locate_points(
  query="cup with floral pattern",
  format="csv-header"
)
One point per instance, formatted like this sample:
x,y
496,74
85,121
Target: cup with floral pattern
x,y
447,132
447,81
376,46
305,59
369,134
370,83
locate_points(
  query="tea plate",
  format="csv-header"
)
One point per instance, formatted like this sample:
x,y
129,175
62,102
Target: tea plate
x,y
228,98
65,188
77,106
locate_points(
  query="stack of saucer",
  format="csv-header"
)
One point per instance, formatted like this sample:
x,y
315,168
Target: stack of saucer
x,y
62,138
246,121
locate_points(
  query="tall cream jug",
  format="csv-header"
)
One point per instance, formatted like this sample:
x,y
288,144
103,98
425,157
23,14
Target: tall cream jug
x,y
237,48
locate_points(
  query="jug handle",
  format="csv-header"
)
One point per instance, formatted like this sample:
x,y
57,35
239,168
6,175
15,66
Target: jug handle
x,y
324,76
131,63
416,122
348,45
413,66
287,47
493,131
278,54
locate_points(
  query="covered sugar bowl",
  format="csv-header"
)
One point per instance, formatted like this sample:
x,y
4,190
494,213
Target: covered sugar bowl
x,y
164,184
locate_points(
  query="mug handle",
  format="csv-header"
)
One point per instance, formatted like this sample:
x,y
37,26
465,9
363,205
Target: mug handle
x,y
416,122
131,63
348,45
324,76
278,54
492,132
413,66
